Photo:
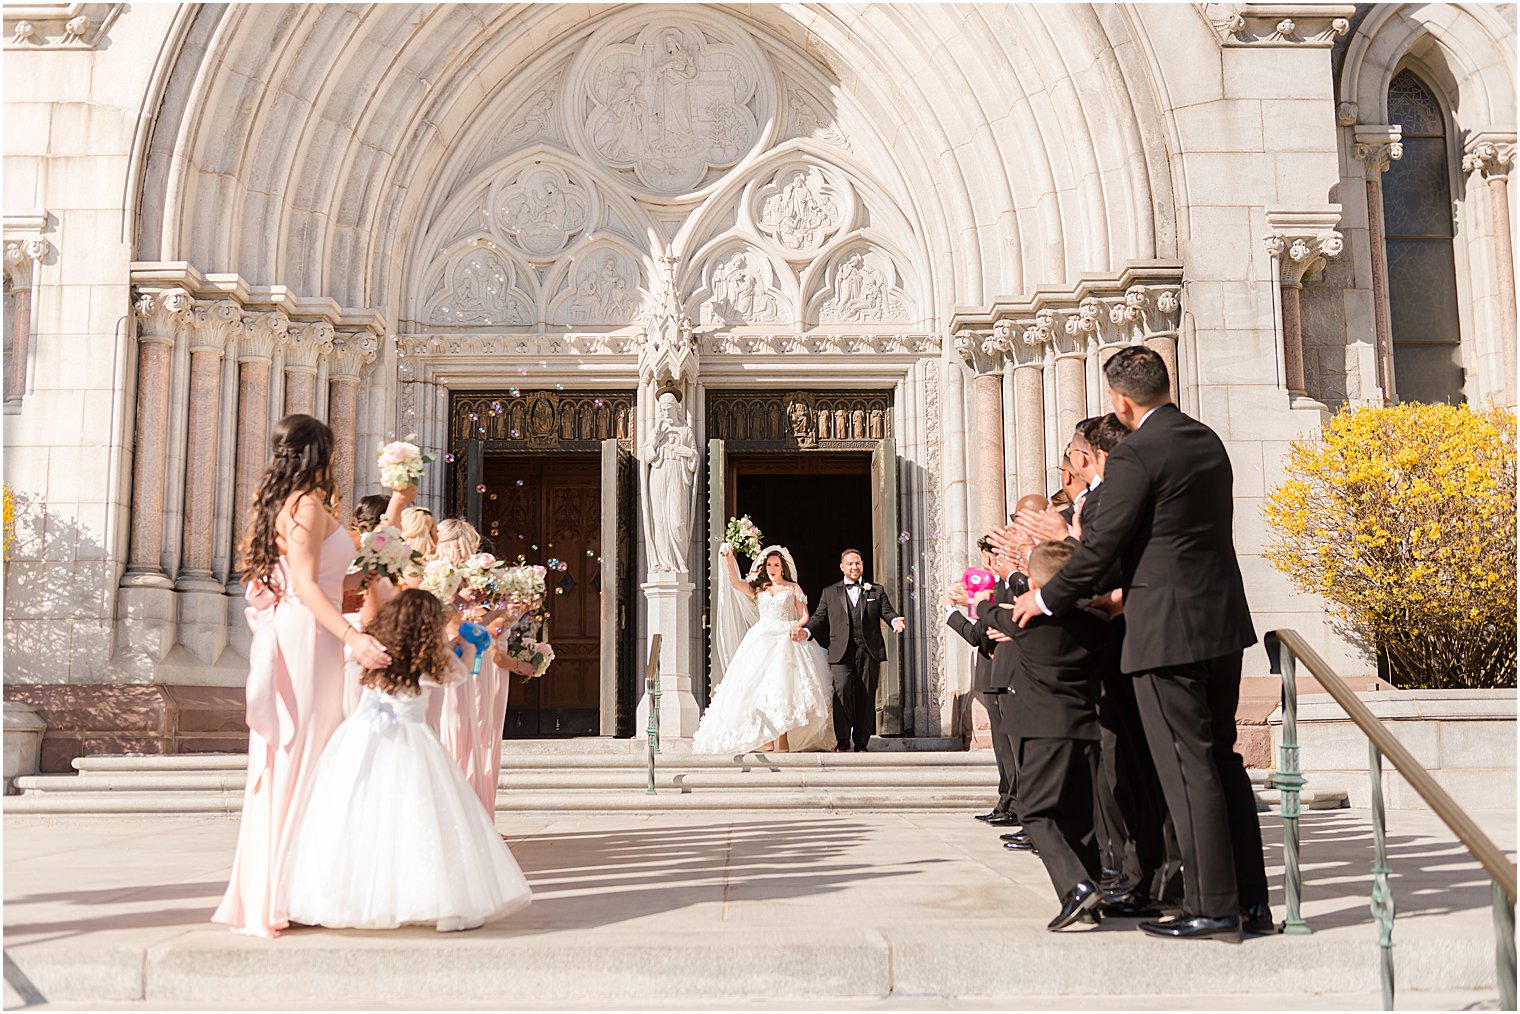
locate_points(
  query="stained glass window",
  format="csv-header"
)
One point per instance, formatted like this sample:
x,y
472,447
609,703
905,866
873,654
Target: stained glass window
x,y
1418,229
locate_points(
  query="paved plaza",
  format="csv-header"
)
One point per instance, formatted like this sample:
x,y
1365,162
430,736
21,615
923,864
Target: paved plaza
x,y
694,910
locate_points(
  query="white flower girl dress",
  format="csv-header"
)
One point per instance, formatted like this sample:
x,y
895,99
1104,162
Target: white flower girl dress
x,y
394,834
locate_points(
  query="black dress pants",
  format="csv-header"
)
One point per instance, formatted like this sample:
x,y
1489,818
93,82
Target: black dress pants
x,y
1152,860
1189,716
1056,781
854,676
1000,705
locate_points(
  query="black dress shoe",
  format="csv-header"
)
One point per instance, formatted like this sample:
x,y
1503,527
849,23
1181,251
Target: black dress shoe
x,y
1133,906
1197,927
1082,898
1020,845
993,815
1257,920
1015,836
1005,820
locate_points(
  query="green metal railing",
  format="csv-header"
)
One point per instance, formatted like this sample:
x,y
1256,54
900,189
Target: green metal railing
x,y
1287,649
652,688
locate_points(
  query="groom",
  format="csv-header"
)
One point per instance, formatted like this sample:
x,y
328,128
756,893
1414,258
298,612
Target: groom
x,y
848,623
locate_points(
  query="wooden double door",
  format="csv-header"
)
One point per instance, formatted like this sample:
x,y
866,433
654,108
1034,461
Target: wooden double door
x,y
552,509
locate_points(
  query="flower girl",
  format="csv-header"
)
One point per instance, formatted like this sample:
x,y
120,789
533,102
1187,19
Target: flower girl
x,y
393,833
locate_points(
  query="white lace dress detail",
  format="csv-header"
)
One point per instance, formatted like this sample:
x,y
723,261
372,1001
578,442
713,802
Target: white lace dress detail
x,y
773,685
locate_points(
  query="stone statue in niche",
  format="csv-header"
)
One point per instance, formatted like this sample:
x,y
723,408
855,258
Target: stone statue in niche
x,y
862,292
740,294
671,104
603,295
480,293
670,457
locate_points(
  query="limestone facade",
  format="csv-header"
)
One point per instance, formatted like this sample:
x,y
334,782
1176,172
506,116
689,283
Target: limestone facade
x,y
215,215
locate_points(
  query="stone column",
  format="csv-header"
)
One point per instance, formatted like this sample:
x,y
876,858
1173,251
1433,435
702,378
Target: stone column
x,y
212,325
21,257
1376,147
161,318
1494,161
305,346
352,351
258,337
1071,366
1029,401
983,352
1300,243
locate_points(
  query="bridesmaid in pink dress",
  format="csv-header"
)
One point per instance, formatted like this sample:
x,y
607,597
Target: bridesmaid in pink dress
x,y
296,556
471,704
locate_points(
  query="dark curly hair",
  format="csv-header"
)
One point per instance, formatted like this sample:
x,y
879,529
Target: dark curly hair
x,y
762,579
301,450
411,628
368,512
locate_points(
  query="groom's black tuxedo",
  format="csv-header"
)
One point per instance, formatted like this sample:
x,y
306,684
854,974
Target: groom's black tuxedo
x,y
852,636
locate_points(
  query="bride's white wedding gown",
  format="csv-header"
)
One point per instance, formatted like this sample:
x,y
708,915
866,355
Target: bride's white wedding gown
x,y
773,685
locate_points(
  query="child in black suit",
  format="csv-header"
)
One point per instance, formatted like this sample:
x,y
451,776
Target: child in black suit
x,y
1056,725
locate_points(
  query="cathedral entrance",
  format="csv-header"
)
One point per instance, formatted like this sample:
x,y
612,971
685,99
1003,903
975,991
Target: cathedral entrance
x,y
817,472
547,476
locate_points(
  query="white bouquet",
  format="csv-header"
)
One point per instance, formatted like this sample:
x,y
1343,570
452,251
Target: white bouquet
x,y
442,579
385,552
538,654
401,462
743,536
522,584
480,573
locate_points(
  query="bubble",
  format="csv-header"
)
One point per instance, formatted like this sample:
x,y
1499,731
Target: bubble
x,y
553,564
559,387
519,482
522,371
474,417
559,591
516,433
563,566
481,488
903,537
598,402
543,362
493,496
534,546
449,458
590,552
496,407
514,392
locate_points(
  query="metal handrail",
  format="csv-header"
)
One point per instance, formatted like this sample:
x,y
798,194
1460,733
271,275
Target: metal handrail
x,y
652,688
1285,648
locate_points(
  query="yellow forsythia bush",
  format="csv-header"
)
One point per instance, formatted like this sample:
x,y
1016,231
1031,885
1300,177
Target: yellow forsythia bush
x,y
10,522
1403,518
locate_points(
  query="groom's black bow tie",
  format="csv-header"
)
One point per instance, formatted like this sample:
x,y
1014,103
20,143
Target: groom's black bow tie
x,y
852,584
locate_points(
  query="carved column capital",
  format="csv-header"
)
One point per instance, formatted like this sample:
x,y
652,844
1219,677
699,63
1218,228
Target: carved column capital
x,y
1302,241
21,257
1376,146
352,351
259,334
162,314
306,344
212,324
1490,155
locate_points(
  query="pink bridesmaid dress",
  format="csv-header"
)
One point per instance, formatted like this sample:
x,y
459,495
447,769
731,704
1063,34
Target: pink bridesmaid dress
x,y
459,722
295,703
491,710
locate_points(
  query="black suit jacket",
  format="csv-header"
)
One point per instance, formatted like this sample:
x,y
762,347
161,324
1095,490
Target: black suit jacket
x,y
830,623
1056,680
1005,655
981,669
1166,516
1091,520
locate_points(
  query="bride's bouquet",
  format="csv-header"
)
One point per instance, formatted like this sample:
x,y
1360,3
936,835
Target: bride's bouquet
x,y
385,552
443,579
402,462
743,536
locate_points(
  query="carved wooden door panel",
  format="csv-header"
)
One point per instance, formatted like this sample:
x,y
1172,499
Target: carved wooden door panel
x,y
548,510
619,666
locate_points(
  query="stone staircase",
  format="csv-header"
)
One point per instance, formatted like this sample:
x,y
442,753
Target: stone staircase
x,y
583,775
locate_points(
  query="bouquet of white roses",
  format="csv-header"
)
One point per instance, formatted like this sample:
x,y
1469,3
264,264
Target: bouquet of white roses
x,y
522,583
385,552
742,534
442,579
401,462
524,646
480,572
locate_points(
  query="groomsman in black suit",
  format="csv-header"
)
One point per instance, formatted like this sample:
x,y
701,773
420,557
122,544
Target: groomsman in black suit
x,y
992,678
848,623
1167,518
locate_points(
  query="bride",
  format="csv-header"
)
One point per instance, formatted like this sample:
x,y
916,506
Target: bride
x,y
774,689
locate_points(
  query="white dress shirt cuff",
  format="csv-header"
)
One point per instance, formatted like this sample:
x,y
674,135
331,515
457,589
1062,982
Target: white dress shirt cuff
x,y
1039,600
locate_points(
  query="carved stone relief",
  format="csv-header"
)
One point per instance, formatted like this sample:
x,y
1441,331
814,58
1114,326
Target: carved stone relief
x,y
742,289
541,209
478,286
801,208
673,103
863,289
601,286
804,120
